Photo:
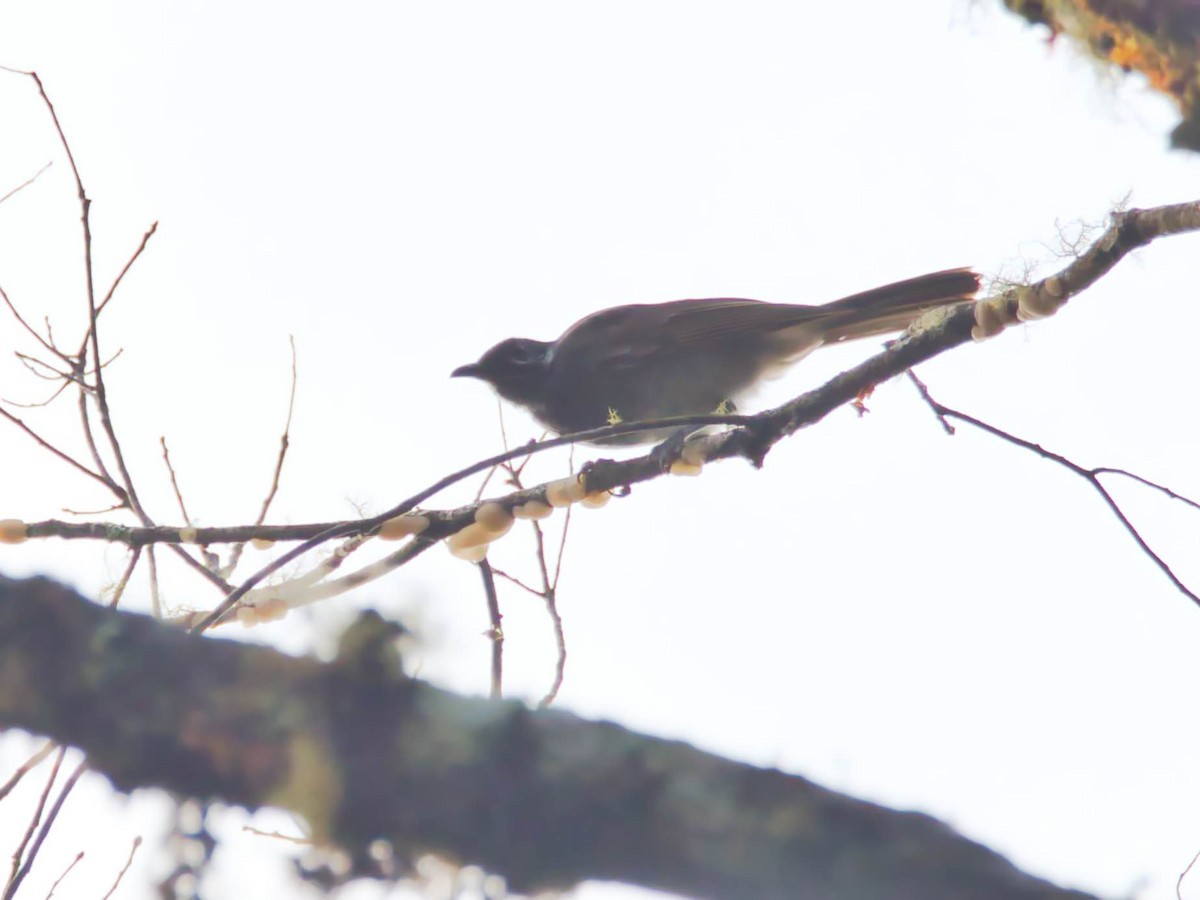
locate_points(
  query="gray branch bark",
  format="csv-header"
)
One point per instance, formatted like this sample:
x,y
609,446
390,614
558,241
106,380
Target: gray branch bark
x,y
544,798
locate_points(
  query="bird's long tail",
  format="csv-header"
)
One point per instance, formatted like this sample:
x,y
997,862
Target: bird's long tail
x,y
893,307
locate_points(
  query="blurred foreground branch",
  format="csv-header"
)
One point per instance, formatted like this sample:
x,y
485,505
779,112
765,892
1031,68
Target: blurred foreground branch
x,y
364,752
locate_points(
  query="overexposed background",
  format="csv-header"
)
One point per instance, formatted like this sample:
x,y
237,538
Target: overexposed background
x,y
949,625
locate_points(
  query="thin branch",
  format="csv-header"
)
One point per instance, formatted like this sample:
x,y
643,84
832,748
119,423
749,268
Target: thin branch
x,y
46,445
47,344
128,265
100,393
155,599
112,507
211,561
35,366
119,590
20,860
303,591
86,426
235,554
27,182
66,872
1091,476
1183,875
551,598
41,403
548,591
25,768
1154,485
68,785
278,836
513,579
166,455
495,632
137,842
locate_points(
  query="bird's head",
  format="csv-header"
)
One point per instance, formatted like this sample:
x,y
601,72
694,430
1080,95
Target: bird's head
x,y
517,368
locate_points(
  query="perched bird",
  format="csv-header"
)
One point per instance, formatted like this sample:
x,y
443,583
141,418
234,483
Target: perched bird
x,y
690,357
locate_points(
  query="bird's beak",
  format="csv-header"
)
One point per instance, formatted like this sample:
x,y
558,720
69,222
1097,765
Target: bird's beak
x,y
470,370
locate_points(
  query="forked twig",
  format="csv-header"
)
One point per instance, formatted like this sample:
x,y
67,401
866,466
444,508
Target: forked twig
x,y
1091,476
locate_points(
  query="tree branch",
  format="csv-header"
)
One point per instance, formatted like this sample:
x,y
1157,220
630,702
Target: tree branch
x,y
542,797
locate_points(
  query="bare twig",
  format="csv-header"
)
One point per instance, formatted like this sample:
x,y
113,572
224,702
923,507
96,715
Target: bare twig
x,y
47,344
1183,875
137,842
495,632
25,768
35,367
278,836
548,591
27,182
20,860
15,882
166,455
155,599
119,590
235,554
112,507
66,872
1154,485
85,422
1091,476
513,579
40,403
125,490
46,445
550,598
128,265
306,590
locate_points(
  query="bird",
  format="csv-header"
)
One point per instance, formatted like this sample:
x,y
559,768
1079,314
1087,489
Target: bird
x,y
690,357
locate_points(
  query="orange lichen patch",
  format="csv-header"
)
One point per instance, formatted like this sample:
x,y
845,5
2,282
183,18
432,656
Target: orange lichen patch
x,y
1134,51
1159,40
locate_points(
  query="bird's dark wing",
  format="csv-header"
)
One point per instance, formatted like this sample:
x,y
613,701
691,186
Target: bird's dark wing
x,y
624,336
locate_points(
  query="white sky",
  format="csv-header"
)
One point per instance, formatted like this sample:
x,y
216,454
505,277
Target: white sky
x,y
950,625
